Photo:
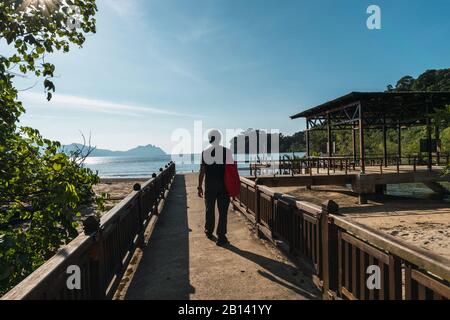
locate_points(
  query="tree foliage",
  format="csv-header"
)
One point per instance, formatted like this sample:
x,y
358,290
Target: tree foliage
x,y
430,80
42,191
293,143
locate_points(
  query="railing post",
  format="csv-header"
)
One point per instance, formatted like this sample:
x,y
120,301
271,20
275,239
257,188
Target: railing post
x,y
141,214
91,227
395,278
154,194
161,184
329,266
257,212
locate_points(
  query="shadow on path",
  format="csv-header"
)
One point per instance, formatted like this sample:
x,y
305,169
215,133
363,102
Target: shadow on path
x,y
163,272
279,272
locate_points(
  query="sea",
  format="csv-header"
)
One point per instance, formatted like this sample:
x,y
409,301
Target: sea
x,y
144,167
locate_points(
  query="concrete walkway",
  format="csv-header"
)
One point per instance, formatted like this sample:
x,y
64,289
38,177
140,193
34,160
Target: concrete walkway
x,y
181,263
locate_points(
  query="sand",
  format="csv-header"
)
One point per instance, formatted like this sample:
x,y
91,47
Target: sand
x,y
421,222
116,190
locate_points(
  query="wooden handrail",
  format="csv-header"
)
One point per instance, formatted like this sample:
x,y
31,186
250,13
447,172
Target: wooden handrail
x,y
103,265
315,233
309,208
30,288
424,259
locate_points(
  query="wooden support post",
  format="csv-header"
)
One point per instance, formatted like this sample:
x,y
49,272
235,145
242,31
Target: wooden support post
x,y
310,167
437,137
91,227
385,155
430,153
329,262
399,140
395,278
257,145
410,287
330,138
142,215
308,150
362,197
362,150
257,210
354,143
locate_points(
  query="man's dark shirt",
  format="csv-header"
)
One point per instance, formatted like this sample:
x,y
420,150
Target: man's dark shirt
x,y
214,171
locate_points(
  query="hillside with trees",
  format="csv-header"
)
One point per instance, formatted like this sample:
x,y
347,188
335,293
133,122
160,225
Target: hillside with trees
x,y
148,151
430,80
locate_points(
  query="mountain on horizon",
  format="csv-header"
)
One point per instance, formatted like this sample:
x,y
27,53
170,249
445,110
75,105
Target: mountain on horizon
x,y
140,151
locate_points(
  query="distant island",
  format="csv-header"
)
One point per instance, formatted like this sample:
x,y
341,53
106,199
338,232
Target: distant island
x,y
140,151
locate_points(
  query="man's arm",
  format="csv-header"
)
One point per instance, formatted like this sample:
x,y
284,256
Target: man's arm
x,y
201,176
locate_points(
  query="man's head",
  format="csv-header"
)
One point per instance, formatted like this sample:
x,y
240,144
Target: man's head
x,y
214,137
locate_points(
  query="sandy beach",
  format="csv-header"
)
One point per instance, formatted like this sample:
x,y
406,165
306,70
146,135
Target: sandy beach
x,y
421,222
116,190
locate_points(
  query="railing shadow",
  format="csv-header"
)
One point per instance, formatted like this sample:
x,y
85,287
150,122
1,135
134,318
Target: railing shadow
x,y
278,272
163,272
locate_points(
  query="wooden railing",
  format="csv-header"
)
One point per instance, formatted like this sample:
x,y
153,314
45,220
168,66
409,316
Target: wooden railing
x,y
349,164
103,252
292,224
340,251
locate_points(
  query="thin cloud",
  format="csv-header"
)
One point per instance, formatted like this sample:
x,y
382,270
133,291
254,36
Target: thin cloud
x,y
49,117
202,31
182,71
75,102
240,66
122,7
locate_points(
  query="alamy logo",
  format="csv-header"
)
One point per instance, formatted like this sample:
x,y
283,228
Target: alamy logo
x,y
73,281
374,280
374,20
74,20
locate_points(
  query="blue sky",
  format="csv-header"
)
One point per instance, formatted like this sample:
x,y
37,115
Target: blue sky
x,y
158,65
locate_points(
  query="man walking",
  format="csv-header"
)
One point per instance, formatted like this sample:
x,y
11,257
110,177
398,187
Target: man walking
x,y
212,169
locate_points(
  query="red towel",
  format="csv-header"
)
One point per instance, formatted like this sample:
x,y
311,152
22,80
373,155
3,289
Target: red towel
x,y
232,181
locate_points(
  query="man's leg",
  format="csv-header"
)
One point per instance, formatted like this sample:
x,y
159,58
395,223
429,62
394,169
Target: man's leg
x,y
223,202
210,214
